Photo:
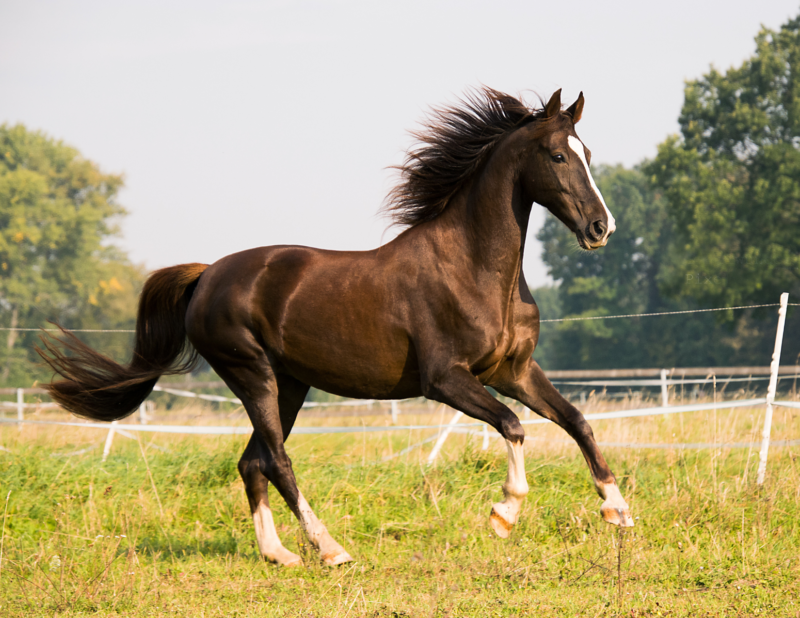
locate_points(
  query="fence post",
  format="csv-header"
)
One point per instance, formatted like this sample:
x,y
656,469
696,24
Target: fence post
x,y
773,384
485,445
440,442
143,413
109,440
664,389
20,407
395,411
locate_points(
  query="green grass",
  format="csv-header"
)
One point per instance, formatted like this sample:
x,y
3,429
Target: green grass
x,y
86,538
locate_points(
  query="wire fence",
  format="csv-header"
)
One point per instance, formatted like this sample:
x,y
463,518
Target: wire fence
x,y
648,315
566,319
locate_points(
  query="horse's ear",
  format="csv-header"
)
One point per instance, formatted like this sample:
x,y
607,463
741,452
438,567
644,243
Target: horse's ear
x,y
553,105
576,109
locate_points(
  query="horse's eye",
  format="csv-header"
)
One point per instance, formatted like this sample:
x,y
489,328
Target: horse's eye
x,y
559,158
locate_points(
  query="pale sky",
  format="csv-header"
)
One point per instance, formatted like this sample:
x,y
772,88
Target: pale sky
x,y
240,124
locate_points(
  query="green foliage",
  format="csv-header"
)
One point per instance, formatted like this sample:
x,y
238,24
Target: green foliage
x,y
711,222
732,180
57,212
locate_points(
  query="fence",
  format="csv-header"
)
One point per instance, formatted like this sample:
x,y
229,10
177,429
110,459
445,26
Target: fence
x,y
666,377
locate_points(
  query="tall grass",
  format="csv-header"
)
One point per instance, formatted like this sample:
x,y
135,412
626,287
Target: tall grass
x,y
162,527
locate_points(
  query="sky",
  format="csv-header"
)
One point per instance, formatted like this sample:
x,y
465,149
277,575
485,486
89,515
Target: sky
x,y
243,124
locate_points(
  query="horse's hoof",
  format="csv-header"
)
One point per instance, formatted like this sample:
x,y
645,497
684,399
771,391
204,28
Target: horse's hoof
x,y
619,516
334,558
286,559
499,524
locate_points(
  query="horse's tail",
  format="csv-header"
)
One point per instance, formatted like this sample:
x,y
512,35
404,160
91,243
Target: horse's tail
x,y
96,387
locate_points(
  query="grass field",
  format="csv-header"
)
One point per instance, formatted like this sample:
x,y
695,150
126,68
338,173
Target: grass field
x,y
162,527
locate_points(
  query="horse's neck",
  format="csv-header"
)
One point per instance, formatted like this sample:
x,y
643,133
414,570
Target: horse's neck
x,y
488,219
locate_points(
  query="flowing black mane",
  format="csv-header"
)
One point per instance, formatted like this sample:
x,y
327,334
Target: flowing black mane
x,y
452,145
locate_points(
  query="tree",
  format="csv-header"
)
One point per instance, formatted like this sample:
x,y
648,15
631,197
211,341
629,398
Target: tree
x,y
732,179
57,213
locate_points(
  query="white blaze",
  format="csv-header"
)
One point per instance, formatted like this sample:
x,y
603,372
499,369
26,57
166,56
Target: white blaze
x,y
577,146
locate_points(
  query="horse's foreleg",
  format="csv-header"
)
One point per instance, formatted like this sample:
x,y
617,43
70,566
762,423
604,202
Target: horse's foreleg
x,y
462,391
504,514
533,389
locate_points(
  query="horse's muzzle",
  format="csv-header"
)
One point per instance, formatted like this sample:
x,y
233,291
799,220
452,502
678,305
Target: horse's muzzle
x,y
594,236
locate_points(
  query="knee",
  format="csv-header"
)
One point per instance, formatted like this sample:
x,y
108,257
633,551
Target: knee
x,y
575,424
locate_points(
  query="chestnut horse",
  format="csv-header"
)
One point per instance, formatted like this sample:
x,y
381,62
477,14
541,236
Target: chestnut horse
x,y
442,310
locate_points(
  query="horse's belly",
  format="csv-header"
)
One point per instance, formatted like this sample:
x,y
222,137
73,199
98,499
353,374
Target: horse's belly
x,y
356,377
351,363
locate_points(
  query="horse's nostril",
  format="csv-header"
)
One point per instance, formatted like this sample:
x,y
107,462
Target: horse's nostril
x,y
598,230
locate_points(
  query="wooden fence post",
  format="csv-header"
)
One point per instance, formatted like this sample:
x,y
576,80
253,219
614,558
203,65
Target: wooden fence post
x,y
664,389
773,384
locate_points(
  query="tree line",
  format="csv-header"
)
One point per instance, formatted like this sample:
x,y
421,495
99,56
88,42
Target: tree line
x,y
712,221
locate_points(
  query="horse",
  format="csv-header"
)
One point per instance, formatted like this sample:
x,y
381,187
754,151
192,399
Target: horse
x,y
441,311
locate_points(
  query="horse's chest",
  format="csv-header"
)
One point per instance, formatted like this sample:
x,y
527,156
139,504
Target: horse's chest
x,y
494,344
510,334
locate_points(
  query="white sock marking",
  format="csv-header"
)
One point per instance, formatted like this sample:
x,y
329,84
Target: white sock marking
x,y
269,544
330,551
577,146
612,494
516,486
314,528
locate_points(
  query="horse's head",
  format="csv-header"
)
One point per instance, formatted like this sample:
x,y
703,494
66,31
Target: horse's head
x,y
556,174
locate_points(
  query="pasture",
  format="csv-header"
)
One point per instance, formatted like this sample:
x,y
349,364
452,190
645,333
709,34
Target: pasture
x,y
163,527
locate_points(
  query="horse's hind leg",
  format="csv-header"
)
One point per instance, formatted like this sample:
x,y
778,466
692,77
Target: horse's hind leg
x,y
291,394
273,406
251,468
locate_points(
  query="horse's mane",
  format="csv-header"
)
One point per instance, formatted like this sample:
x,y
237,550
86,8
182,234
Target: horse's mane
x,y
453,143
